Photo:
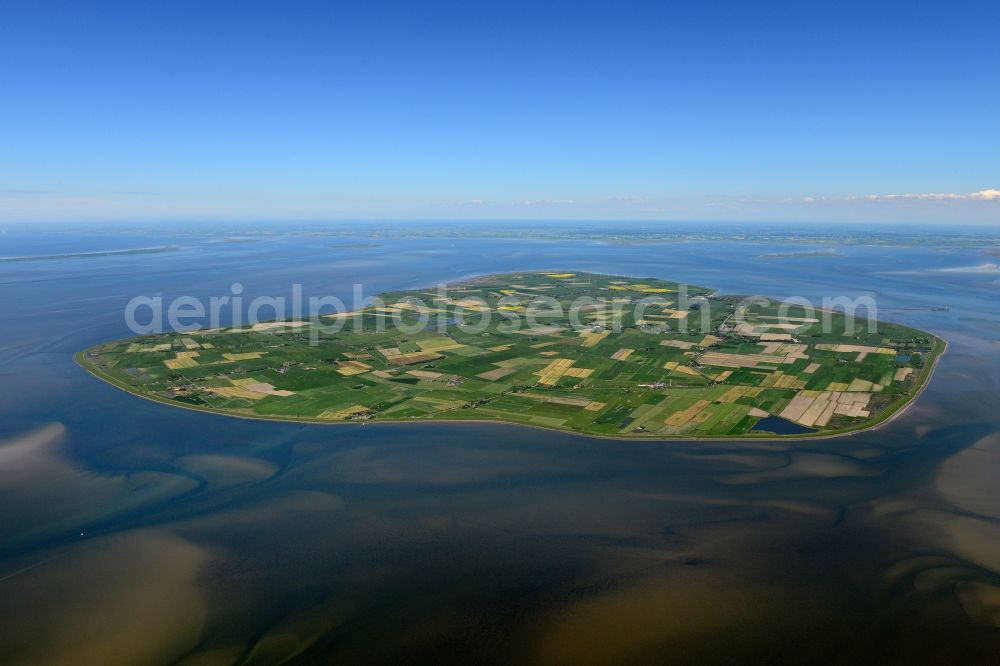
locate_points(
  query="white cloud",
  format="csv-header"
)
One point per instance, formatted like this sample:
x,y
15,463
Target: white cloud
x,y
981,195
627,201
547,202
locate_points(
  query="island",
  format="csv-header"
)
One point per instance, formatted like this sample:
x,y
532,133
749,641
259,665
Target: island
x,y
601,355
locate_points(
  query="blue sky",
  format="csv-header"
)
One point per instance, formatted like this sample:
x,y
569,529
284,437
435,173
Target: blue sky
x,y
811,111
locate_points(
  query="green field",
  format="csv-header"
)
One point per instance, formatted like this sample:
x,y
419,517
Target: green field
x,y
596,354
